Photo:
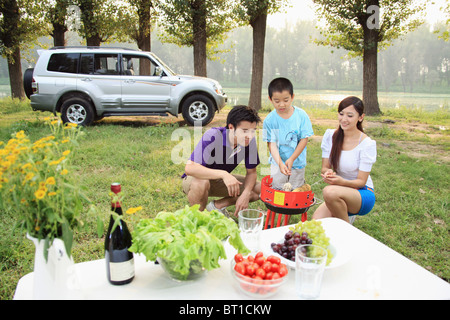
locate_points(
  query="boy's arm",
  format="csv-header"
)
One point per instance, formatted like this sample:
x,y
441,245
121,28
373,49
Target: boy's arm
x,y
273,148
298,150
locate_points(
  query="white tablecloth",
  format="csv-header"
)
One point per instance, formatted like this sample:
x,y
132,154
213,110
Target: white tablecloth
x,y
373,271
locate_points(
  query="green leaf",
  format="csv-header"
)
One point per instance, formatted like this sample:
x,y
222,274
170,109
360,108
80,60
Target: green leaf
x,y
100,227
67,237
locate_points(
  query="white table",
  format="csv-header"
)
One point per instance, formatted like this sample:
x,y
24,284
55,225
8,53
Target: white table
x,y
374,271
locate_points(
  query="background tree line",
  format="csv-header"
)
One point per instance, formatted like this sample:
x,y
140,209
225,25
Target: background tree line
x,y
211,27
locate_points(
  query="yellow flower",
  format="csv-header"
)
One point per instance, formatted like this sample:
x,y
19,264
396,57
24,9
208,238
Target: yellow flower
x,y
50,180
39,194
20,134
65,153
64,172
133,210
26,166
70,125
37,228
65,141
50,194
28,177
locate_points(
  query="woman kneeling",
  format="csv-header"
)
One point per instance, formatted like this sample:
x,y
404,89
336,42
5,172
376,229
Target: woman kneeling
x,y
347,158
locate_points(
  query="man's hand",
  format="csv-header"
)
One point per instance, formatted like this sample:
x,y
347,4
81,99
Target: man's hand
x,y
242,203
233,185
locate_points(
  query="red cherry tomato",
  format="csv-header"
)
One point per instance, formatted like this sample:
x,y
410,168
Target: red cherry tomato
x,y
251,258
260,273
269,276
260,260
259,254
283,270
275,267
250,270
267,266
240,268
275,276
238,258
274,259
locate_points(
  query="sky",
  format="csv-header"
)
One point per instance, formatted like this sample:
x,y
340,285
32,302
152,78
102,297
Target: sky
x,y
303,10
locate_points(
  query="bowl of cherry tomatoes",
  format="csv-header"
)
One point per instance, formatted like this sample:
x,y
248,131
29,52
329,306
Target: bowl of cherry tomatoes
x,y
259,276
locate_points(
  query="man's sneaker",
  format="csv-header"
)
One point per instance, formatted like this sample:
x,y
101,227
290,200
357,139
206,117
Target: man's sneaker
x,y
210,207
352,219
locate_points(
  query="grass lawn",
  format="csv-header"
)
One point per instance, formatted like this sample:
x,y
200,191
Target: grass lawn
x,y
411,177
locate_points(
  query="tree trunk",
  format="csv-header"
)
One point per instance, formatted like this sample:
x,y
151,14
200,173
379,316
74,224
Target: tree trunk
x,y
15,75
59,23
199,28
144,33
59,31
91,35
93,41
370,68
259,36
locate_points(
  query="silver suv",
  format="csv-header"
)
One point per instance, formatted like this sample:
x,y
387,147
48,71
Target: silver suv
x,y
86,84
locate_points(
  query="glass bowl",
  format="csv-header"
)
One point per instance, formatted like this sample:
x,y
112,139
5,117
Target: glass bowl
x,y
256,288
196,270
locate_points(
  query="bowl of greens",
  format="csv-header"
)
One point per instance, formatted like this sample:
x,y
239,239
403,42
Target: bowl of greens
x,y
187,242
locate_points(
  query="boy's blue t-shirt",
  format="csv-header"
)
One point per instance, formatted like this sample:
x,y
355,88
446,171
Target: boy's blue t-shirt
x,y
287,133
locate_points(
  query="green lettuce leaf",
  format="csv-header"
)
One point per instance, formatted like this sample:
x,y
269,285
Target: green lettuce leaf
x,y
185,236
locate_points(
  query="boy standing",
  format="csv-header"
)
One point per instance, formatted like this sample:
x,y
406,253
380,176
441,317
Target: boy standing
x,y
286,130
208,172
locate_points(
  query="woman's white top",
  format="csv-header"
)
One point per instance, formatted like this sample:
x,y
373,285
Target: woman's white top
x,y
360,158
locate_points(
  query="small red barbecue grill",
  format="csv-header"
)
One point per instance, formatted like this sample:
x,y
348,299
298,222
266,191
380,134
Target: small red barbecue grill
x,y
284,202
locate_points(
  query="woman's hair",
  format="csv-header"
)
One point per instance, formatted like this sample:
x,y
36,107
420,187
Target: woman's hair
x,y
338,136
242,113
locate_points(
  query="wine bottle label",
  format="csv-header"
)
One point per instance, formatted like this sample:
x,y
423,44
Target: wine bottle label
x,y
121,271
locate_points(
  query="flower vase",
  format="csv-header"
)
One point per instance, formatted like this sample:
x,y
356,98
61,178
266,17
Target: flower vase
x,y
55,278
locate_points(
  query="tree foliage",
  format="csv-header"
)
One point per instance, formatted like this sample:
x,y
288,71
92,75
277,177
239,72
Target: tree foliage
x,y
363,27
201,24
346,21
254,13
101,20
21,24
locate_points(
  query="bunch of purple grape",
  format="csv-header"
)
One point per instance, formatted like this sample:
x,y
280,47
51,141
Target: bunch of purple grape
x,y
292,240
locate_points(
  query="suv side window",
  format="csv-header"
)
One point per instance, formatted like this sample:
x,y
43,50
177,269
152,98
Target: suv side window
x,y
101,64
136,65
63,62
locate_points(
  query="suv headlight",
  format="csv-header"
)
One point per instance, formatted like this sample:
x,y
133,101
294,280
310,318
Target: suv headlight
x,y
218,89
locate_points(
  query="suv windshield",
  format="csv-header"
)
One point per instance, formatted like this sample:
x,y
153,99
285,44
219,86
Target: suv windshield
x,y
163,64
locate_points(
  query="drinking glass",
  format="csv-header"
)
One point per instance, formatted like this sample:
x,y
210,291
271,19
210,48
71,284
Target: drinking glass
x,y
310,261
251,224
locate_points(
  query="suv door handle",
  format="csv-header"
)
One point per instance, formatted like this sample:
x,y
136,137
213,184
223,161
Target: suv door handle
x,y
130,81
86,79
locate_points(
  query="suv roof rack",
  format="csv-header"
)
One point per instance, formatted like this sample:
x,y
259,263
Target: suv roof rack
x,y
90,47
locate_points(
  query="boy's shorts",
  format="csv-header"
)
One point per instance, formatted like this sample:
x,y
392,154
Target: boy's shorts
x,y
367,201
217,187
296,179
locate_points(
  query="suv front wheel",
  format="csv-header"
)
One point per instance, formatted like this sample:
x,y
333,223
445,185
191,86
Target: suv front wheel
x,y
77,110
198,108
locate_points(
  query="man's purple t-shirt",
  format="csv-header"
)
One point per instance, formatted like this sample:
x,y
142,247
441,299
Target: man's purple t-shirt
x,y
215,152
